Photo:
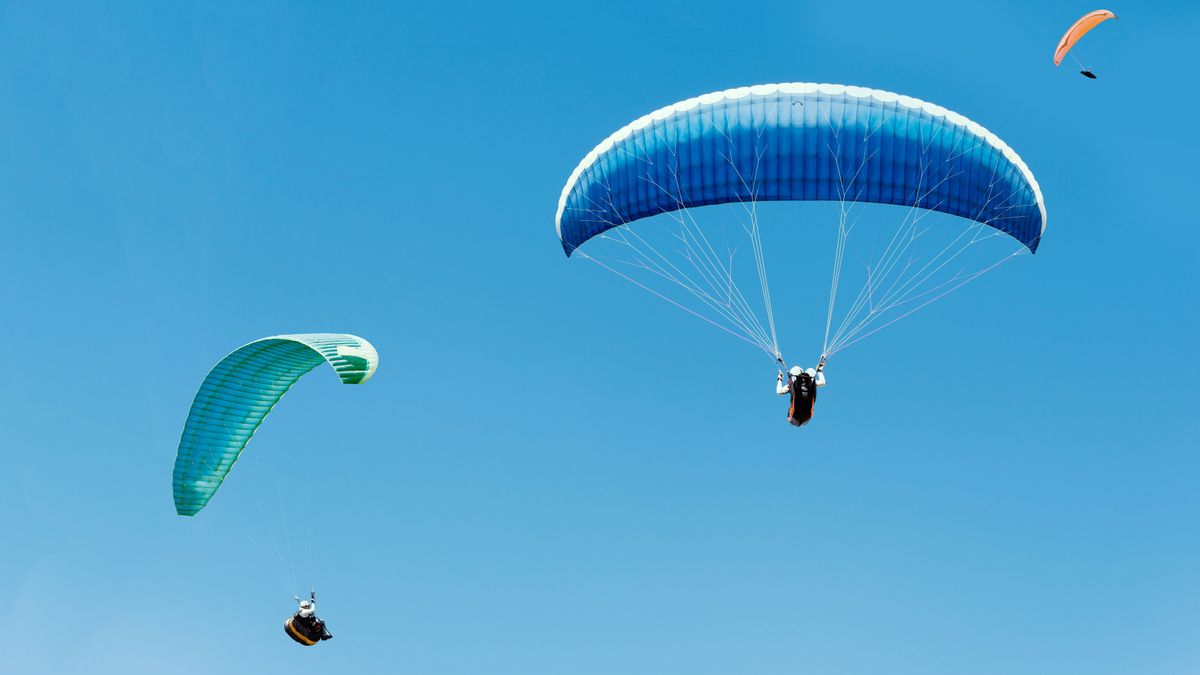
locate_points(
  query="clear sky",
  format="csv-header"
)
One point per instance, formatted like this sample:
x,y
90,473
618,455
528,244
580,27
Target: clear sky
x,y
553,472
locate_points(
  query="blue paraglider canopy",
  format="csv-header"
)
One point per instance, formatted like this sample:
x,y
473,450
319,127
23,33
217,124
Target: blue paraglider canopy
x,y
801,142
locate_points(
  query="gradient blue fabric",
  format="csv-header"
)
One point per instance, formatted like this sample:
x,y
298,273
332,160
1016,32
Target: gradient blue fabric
x,y
801,141
237,394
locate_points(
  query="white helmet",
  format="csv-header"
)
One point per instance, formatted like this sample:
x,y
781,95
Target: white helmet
x,y
796,370
812,372
306,608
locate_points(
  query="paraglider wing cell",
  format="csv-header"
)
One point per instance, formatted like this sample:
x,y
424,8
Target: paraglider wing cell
x,y
238,393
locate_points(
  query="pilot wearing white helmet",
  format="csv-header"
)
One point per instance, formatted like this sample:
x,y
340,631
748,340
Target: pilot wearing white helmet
x,y
802,385
304,626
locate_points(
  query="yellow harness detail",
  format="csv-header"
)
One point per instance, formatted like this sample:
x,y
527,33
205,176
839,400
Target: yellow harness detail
x,y
297,635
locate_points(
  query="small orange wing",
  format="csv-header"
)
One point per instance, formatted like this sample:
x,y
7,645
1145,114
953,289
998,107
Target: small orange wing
x,y
1078,30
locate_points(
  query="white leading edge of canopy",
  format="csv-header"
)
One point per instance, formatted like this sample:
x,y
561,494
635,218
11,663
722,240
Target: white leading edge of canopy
x,y
364,349
796,88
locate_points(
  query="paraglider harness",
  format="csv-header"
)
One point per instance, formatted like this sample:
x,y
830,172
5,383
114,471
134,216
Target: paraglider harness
x,y
804,397
307,630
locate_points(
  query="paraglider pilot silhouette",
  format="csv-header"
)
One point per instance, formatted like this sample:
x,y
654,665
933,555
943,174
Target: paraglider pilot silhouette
x,y
802,385
304,626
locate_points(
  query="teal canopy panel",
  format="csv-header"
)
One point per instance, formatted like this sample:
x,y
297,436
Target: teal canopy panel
x,y
238,393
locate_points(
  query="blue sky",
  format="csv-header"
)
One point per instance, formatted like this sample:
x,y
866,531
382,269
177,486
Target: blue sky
x,y
553,472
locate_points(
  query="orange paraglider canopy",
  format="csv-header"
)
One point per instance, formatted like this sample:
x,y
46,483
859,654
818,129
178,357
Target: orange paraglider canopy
x,y
1078,30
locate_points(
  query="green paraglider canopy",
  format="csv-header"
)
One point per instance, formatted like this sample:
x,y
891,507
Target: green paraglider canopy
x,y
238,393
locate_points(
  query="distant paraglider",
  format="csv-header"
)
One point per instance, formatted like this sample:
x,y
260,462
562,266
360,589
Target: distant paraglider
x,y
232,403
1077,30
